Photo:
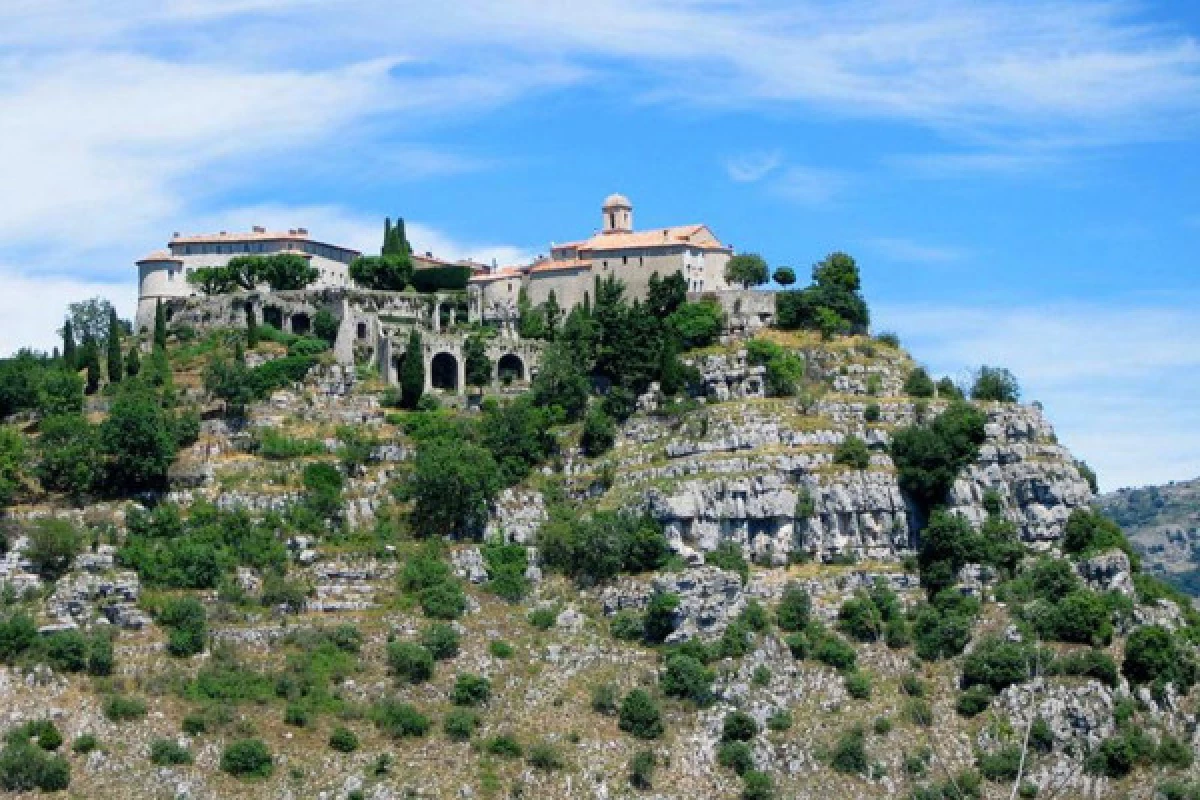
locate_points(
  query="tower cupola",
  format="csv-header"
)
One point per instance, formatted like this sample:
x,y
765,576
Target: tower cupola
x,y
618,214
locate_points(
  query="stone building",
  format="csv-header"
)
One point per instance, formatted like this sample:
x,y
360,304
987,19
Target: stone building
x,y
571,270
162,275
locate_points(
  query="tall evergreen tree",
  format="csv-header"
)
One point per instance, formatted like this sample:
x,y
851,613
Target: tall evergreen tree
x,y
160,326
116,369
91,361
68,353
412,372
133,362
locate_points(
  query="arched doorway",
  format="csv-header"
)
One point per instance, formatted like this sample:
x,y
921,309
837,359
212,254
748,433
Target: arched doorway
x,y
301,324
273,317
443,372
510,368
397,368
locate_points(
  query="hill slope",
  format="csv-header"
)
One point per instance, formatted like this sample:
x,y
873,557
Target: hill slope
x,y
1164,524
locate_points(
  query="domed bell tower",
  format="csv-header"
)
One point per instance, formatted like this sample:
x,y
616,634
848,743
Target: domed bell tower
x,y
618,214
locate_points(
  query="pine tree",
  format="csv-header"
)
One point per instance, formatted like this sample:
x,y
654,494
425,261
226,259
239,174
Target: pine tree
x,y
160,326
412,372
115,368
68,353
251,328
133,362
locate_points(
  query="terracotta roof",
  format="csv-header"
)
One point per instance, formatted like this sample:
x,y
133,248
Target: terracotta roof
x,y
159,255
694,235
550,266
298,235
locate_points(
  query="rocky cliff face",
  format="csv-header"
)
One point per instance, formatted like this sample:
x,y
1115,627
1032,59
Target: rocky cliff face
x,y
762,473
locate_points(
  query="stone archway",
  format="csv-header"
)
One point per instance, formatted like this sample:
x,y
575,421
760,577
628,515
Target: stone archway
x,y
443,372
510,368
301,324
274,317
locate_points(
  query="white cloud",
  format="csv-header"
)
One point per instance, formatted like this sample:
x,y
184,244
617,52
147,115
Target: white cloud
x,y
753,167
1118,383
901,249
809,186
955,165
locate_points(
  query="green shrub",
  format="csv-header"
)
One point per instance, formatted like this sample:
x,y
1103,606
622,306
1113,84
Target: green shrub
x,y
1086,663
852,452
974,701
641,769
471,690
410,662
1173,753
460,724
882,726
995,384
858,685
24,767
1001,765
761,676
738,726
168,752
736,755
441,640
343,740
755,617
542,618
757,786
247,758
599,432
399,720
659,620
84,744
544,756
1041,738
998,664
872,413
194,724
918,383
187,621
799,646
835,651
627,626
929,457
639,716
734,641
120,708
297,715
1151,654
780,720
686,678
504,745
913,686
500,649
728,555
849,755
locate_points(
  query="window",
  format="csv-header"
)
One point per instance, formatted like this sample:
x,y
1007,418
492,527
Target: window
x,y
624,261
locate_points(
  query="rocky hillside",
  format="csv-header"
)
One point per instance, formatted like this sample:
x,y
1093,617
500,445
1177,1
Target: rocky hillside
x,y
1163,522
279,628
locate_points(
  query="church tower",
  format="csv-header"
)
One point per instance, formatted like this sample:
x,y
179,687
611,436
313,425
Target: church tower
x,y
618,214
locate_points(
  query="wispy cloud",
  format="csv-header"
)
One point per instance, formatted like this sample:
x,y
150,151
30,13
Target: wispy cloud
x,y
958,164
1113,390
809,186
753,167
902,249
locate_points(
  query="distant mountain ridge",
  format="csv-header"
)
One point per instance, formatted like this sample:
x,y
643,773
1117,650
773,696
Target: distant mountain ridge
x,y
1163,522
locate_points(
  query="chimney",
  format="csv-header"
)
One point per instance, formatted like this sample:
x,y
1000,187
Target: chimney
x,y
302,231
259,229
223,233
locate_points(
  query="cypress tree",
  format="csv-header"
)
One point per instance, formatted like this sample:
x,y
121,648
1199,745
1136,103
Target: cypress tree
x,y
412,372
115,368
402,245
91,361
251,328
160,326
133,362
68,353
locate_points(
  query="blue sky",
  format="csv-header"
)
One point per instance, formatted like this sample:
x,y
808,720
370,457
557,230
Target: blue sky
x,y
1017,180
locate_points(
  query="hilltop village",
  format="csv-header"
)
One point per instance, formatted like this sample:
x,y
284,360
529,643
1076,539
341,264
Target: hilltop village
x,y
619,522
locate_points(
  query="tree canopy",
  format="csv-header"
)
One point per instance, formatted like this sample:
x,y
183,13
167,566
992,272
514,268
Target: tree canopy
x,y
747,269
